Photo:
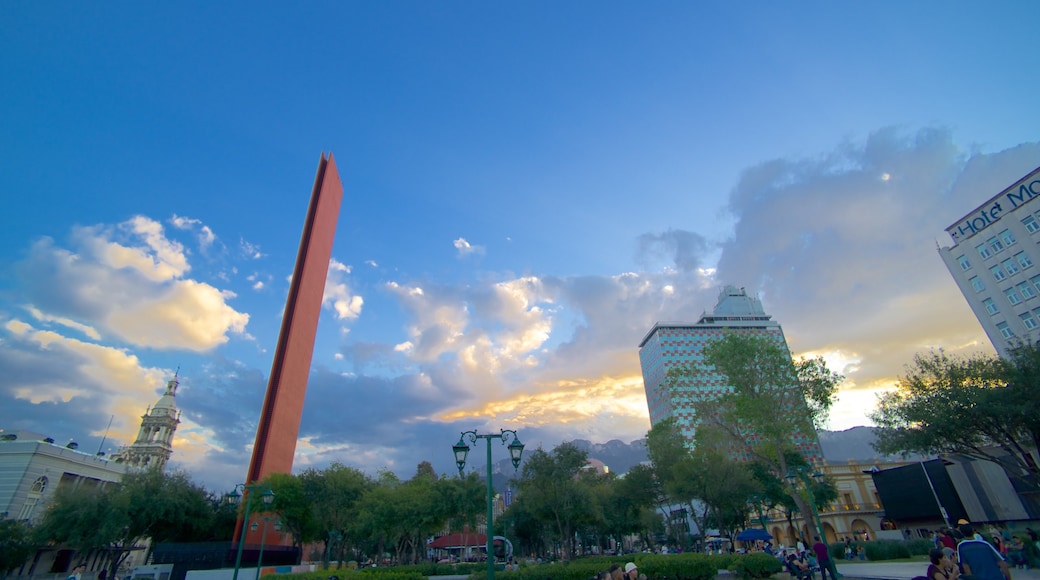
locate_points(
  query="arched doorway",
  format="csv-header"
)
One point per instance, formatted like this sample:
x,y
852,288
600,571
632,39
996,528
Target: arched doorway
x,y
861,530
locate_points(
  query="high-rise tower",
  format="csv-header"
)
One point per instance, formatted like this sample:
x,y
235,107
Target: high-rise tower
x,y
671,345
154,443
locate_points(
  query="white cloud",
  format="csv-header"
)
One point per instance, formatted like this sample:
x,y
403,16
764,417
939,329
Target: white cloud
x,y
106,378
205,235
87,330
464,248
338,294
249,250
133,292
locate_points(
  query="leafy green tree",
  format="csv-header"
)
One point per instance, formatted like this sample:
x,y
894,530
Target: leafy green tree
x,y
403,514
549,488
724,485
979,406
462,499
634,502
16,545
335,494
771,400
117,517
673,468
530,534
294,508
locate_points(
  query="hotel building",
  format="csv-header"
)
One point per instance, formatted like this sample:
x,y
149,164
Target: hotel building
x,y
992,260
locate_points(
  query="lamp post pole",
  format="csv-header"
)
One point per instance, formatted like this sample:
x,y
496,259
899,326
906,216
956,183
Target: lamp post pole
x,y
263,536
233,497
516,450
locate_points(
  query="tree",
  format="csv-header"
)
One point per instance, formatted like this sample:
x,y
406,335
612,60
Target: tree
x,y
292,504
549,489
725,486
672,467
16,545
635,497
772,399
115,518
334,494
979,406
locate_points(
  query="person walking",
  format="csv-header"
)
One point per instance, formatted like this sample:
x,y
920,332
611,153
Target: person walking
x,y
823,558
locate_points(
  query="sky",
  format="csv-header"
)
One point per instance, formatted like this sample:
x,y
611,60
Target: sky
x,y
528,188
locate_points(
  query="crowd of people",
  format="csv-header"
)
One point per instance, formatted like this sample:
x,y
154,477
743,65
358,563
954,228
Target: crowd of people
x,y
963,551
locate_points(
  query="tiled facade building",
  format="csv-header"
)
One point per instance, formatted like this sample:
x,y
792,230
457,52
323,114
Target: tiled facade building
x,y
993,260
671,345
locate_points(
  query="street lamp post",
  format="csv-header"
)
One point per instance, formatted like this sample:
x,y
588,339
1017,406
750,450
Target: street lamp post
x,y
233,497
263,536
516,450
800,474
333,535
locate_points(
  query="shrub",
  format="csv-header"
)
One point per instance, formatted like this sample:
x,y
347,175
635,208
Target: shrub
x,y
886,550
919,546
756,566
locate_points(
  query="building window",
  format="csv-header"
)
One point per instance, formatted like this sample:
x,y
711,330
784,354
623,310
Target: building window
x,y
1031,224
965,264
998,273
1028,320
995,244
978,286
1023,260
1026,290
983,251
1008,237
1010,267
1012,296
1005,330
990,305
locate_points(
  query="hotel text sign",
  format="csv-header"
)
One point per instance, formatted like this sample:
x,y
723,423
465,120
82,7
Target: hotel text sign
x,y
1010,199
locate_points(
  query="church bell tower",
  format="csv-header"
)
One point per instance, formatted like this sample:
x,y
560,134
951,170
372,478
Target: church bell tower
x,y
154,443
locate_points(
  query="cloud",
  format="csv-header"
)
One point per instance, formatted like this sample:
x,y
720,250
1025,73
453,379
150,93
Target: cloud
x,y
205,235
250,251
842,256
127,282
61,383
685,250
87,330
337,292
464,248
846,261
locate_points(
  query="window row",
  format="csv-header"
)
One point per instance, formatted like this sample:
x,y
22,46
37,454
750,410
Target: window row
x,y
996,244
1010,266
1019,293
1029,320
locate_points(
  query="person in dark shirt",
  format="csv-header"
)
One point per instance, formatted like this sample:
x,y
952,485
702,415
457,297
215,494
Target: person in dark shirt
x,y
941,567
824,559
980,559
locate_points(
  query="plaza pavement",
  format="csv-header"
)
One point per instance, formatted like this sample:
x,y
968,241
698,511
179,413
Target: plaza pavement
x,y
904,570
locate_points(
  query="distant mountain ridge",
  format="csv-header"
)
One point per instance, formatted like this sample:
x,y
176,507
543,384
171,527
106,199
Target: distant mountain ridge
x,y
838,446
619,457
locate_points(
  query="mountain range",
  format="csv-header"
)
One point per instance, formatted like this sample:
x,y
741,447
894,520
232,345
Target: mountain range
x,y
619,457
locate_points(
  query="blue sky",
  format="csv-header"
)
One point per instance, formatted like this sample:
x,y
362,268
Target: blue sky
x,y
528,188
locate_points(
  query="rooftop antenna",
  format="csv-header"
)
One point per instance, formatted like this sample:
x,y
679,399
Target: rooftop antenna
x,y
106,433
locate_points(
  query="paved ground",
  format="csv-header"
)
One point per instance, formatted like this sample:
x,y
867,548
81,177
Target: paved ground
x,y
903,570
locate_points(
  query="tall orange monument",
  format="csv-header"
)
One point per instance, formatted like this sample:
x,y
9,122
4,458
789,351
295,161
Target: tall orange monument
x,y
279,423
